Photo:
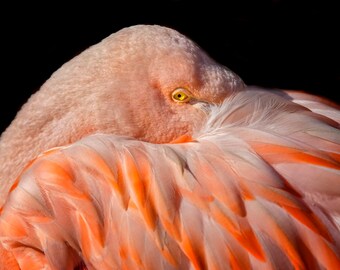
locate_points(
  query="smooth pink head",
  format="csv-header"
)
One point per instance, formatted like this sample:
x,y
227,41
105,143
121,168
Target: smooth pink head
x,y
123,85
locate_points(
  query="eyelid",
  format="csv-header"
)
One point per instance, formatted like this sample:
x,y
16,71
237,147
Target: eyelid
x,y
181,91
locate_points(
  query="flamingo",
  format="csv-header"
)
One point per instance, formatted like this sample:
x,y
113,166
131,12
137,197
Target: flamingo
x,y
142,152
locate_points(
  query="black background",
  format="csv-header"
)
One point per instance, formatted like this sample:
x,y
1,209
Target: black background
x,y
279,44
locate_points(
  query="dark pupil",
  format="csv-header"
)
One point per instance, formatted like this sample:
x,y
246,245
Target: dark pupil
x,y
179,95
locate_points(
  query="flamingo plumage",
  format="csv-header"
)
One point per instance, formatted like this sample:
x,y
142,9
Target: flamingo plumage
x,y
144,153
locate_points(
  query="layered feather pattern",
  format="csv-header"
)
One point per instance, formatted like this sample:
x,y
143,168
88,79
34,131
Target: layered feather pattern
x,y
257,187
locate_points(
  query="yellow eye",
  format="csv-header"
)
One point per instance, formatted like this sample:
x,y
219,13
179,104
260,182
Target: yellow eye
x,y
180,95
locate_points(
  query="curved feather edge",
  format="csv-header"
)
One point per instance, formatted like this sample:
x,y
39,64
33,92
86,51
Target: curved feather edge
x,y
245,193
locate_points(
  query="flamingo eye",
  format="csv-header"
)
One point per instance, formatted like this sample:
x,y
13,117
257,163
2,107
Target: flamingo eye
x,y
181,95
